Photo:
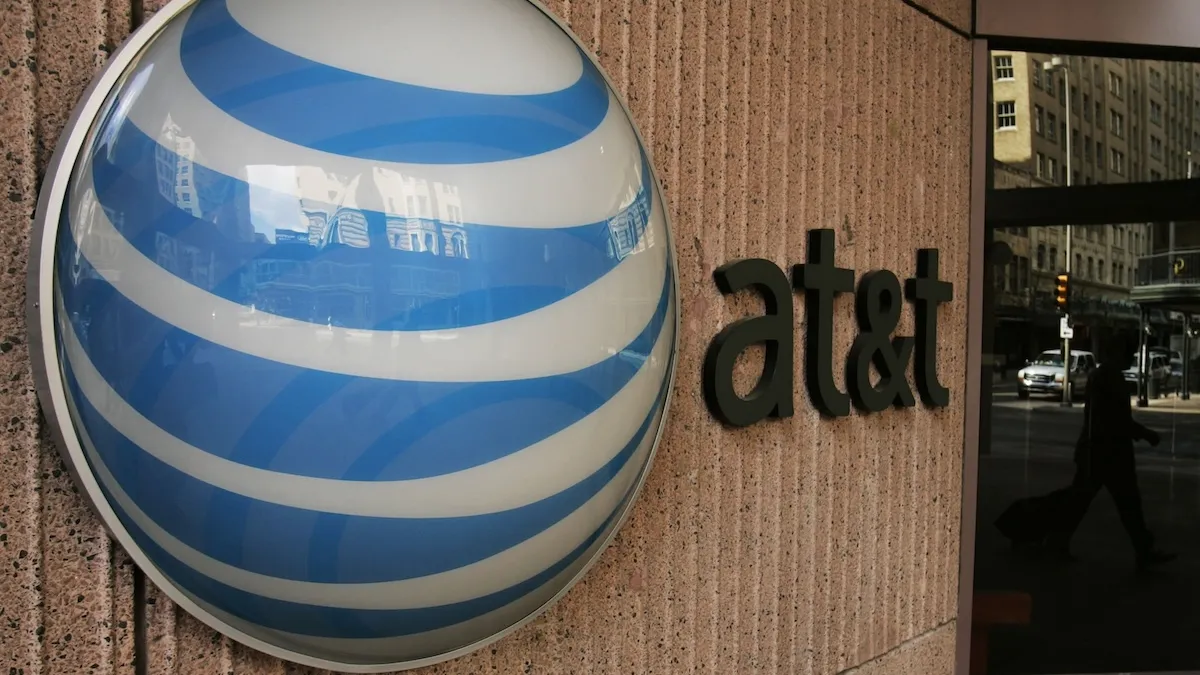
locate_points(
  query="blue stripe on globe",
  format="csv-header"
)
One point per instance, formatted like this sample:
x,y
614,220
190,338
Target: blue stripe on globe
x,y
366,318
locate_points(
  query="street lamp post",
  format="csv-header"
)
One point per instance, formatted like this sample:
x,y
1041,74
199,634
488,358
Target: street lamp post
x,y
1057,63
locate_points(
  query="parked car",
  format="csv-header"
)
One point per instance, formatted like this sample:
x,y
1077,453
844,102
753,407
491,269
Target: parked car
x,y
1175,376
1044,374
1158,372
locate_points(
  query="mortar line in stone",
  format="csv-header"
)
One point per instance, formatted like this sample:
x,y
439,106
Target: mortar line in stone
x,y
952,479
626,61
944,23
814,197
868,174
939,98
905,234
677,111
824,466
702,649
901,235
762,155
675,44
743,178
784,228
926,155
880,155
652,73
35,488
846,65
901,645
933,569
734,198
802,582
596,28
899,629
721,120
907,441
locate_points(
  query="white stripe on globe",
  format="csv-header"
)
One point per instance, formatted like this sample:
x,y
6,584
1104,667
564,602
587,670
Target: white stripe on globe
x,y
495,573
408,646
563,337
605,162
518,479
499,46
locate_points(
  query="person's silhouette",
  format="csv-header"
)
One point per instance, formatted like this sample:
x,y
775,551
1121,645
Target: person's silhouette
x,y
1104,459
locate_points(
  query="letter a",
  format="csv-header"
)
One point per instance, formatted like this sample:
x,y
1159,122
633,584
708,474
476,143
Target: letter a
x,y
772,396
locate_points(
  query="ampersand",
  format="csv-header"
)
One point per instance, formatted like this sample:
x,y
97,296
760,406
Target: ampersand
x,y
877,305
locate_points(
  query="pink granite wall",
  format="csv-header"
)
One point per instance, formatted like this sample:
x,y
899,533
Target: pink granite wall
x,y
801,546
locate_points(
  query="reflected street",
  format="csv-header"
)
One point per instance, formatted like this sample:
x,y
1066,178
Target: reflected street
x,y
1088,613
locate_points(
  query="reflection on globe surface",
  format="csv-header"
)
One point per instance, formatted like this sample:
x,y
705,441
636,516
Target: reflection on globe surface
x,y
366,319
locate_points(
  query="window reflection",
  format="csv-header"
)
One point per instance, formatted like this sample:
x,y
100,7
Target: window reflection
x,y
1092,545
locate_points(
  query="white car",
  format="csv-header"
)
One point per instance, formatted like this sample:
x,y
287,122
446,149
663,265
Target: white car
x,y
1159,371
1044,375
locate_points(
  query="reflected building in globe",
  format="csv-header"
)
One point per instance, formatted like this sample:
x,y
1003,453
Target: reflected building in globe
x,y
334,266
627,231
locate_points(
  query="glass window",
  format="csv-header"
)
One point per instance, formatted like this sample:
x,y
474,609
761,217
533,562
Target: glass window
x,y
1004,67
1006,115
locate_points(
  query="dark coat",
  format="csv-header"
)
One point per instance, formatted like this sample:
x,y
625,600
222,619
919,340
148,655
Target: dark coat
x,y
1109,429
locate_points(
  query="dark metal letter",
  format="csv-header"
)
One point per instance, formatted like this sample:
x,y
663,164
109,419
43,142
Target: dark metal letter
x,y
926,292
877,308
821,280
772,396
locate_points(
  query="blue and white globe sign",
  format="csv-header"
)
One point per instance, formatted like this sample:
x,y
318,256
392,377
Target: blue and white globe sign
x,y
357,319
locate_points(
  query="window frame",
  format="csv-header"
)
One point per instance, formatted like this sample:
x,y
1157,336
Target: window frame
x,y
1150,29
1010,68
1001,116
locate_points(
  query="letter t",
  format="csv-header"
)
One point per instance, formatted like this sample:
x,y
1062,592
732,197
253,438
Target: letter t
x,y
821,281
926,291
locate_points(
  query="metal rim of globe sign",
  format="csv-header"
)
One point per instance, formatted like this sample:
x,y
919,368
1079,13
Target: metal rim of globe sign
x,y
47,369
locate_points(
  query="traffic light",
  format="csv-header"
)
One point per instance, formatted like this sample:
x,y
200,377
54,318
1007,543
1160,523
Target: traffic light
x,y
1062,293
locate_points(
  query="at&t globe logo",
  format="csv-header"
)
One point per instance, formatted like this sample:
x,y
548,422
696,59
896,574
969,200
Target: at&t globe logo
x,y
357,320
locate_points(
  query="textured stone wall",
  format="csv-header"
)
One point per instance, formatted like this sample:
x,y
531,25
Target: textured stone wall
x,y
798,546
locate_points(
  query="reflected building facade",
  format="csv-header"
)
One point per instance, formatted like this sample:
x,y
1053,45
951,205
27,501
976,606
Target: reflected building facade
x,y
1129,121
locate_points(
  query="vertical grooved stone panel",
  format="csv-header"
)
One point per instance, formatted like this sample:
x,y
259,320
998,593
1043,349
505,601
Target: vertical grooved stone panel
x,y
66,600
21,610
802,545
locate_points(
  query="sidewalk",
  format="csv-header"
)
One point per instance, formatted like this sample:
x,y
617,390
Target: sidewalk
x,y
1170,403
